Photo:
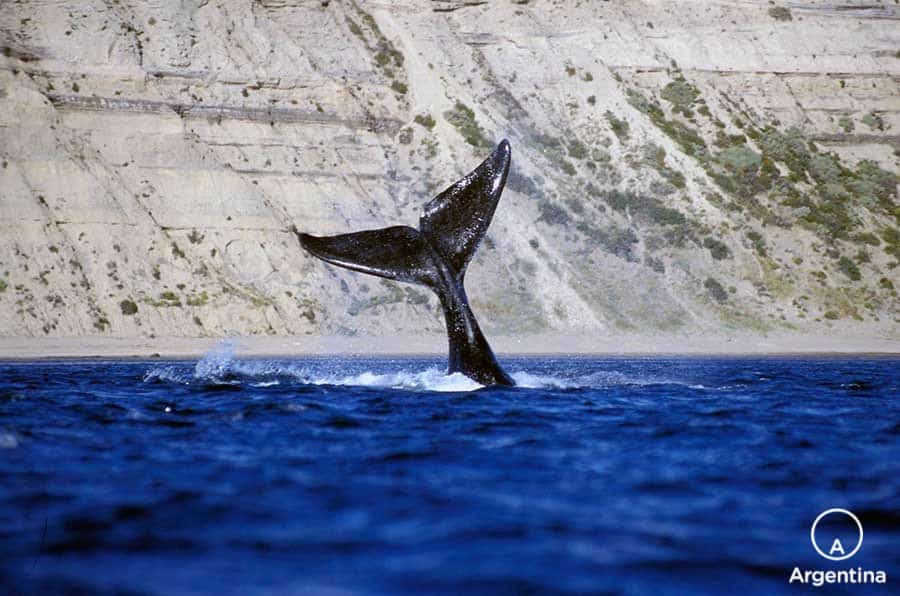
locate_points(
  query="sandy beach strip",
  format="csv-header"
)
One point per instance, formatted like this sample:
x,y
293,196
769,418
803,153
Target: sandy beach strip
x,y
35,348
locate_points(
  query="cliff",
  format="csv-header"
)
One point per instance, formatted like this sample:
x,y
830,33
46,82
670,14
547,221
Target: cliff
x,y
701,166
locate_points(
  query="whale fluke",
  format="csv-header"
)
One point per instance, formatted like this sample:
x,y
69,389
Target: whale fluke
x,y
456,220
399,252
436,255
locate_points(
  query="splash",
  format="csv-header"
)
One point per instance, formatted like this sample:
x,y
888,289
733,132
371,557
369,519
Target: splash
x,y
594,380
532,381
430,379
218,363
167,374
220,366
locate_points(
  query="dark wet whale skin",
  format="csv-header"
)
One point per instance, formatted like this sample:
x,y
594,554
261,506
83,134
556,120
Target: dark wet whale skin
x,y
436,255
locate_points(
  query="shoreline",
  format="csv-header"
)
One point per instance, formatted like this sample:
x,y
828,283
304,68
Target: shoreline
x,y
643,345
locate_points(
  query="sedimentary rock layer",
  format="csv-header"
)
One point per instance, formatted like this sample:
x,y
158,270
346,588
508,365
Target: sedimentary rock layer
x,y
701,165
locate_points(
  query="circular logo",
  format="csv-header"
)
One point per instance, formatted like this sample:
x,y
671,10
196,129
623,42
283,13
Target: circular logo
x,y
836,546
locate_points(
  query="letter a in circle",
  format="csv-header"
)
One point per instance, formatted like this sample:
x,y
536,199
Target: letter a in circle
x,y
837,547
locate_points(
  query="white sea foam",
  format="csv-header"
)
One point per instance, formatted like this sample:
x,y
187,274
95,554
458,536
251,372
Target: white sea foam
x,y
430,379
530,381
597,379
167,374
220,366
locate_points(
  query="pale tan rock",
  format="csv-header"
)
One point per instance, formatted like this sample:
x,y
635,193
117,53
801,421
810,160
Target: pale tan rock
x,y
158,154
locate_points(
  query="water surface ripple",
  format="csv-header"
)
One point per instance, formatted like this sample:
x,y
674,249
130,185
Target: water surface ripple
x,y
383,476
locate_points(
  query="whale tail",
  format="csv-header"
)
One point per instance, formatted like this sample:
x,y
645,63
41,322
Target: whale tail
x,y
436,255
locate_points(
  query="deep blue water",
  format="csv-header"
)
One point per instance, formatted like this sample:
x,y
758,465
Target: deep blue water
x,y
382,476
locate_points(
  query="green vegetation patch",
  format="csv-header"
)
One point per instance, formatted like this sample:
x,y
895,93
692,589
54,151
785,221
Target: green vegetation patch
x,y
846,266
394,295
557,152
166,299
891,237
873,121
577,149
874,186
718,249
655,157
619,127
724,140
553,214
425,120
198,299
746,172
758,242
715,289
788,147
128,307
101,323
846,124
867,238
617,240
780,13
177,252
462,118
681,95
388,59
646,208
687,138
841,188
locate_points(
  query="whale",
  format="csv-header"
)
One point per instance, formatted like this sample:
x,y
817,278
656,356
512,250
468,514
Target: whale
x,y
435,255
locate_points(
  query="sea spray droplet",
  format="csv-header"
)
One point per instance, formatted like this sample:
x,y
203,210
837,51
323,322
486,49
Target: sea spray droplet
x,y
217,363
167,374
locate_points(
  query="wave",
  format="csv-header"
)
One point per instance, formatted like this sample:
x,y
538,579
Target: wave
x,y
597,379
264,375
220,367
430,379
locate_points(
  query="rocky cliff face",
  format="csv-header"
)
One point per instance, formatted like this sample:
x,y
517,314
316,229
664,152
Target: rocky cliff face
x,y
702,165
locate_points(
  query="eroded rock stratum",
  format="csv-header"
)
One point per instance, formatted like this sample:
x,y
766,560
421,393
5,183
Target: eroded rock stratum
x,y
677,165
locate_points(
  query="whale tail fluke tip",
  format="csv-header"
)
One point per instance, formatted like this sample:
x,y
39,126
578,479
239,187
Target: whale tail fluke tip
x,y
436,255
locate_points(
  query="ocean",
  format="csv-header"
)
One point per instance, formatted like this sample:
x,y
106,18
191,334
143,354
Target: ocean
x,y
656,475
